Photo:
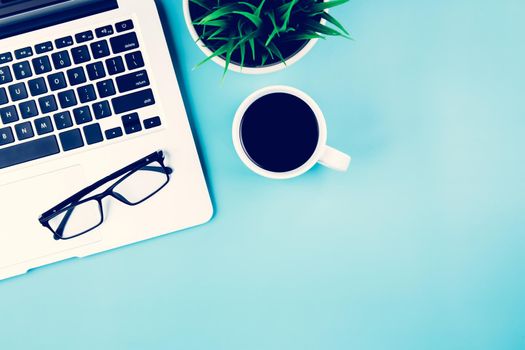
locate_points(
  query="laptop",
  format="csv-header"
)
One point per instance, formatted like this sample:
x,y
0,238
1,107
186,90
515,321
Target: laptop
x,y
87,87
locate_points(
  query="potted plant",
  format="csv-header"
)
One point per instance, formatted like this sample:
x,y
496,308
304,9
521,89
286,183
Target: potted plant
x,y
260,36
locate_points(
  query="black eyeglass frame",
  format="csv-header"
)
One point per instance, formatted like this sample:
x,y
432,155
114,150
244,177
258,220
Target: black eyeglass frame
x,y
76,199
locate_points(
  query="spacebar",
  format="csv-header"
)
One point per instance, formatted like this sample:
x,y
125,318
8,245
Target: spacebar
x,y
130,102
28,151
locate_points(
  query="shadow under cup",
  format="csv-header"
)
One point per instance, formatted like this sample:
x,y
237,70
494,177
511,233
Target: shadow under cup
x,y
279,132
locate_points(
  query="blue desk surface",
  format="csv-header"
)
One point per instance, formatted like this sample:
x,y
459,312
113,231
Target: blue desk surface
x,y
419,246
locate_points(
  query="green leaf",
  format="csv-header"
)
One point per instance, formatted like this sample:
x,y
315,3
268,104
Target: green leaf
x,y
335,22
214,34
219,51
287,14
243,53
229,51
219,38
275,30
252,46
275,51
218,13
214,23
303,36
201,3
243,40
264,58
259,9
252,7
322,29
254,19
269,52
241,45
239,28
282,9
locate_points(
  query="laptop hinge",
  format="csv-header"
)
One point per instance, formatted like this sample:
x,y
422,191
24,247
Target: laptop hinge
x,y
22,16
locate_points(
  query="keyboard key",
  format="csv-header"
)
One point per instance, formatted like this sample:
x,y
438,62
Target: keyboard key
x,y
96,70
3,97
28,109
44,47
41,65
125,25
71,140
6,136
152,123
61,59
132,81
6,57
28,151
22,70
132,128
24,131
134,60
131,123
5,75
82,115
100,49
67,99
86,93
76,76
84,36
101,110
63,120
23,53
115,65
64,42
18,92
8,114
125,42
133,101
104,31
43,126
93,134
47,104
113,133
37,86
80,54
130,119
57,81
106,88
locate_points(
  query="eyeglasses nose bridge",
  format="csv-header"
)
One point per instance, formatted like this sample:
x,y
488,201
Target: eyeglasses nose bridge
x,y
119,197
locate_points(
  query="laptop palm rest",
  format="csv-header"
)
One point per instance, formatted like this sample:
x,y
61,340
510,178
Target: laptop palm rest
x,y
25,200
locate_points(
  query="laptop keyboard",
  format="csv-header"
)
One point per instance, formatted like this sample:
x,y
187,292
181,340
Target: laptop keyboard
x,y
53,95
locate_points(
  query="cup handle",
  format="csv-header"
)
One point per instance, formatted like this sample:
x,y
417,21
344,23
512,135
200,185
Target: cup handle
x,y
334,159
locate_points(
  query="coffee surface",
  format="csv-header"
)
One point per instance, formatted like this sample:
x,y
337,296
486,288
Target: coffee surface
x,y
279,132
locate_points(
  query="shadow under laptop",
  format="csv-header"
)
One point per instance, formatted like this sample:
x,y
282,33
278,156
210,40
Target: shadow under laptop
x,y
181,78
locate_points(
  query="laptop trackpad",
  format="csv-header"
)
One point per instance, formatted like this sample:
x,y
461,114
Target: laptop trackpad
x,y
22,237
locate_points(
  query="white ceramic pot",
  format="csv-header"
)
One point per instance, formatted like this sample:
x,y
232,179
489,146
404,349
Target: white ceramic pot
x,y
235,67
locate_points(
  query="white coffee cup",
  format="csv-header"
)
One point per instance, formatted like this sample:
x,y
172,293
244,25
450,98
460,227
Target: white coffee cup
x,y
323,154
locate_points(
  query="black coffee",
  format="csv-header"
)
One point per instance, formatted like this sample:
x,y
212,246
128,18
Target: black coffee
x,y
279,132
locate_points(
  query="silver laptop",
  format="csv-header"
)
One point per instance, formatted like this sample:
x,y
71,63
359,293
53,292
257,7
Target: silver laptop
x,y
87,87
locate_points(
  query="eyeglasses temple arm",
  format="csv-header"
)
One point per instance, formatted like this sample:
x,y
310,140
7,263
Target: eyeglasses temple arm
x,y
157,169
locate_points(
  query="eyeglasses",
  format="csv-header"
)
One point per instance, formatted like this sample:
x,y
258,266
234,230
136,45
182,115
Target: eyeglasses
x,y
136,183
